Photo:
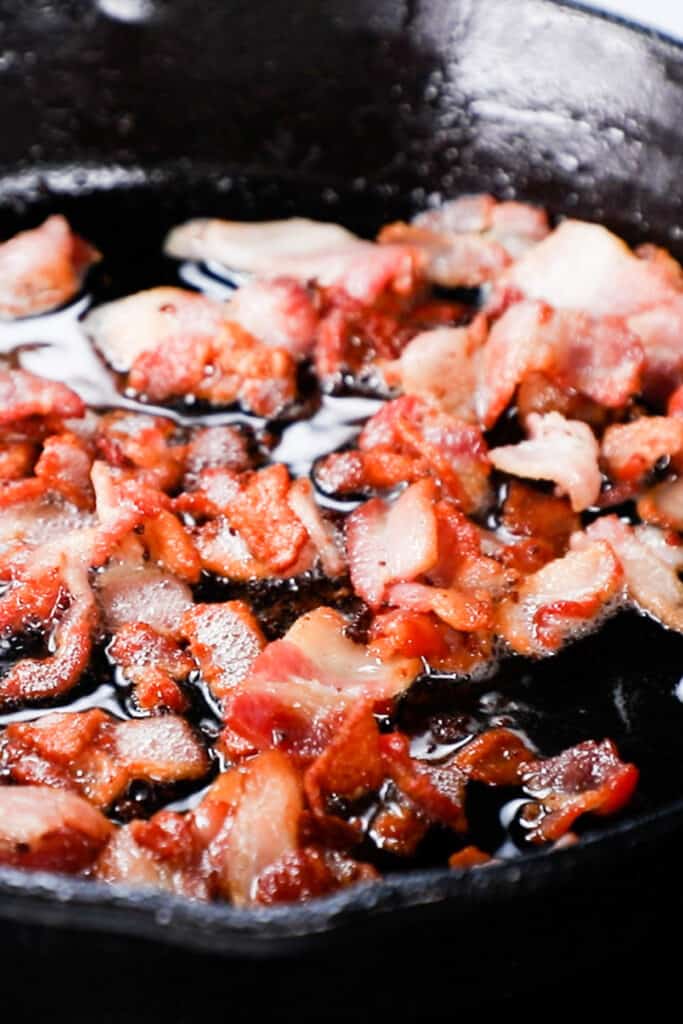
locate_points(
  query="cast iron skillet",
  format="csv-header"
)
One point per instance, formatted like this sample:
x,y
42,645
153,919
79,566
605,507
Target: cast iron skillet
x,y
129,115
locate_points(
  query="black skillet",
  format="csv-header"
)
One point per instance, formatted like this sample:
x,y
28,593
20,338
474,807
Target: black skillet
x,y
129,115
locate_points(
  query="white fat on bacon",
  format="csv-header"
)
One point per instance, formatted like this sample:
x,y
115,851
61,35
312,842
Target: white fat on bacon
x,y
321,532
304,249
650,571
41,827
561,450
443,365
124,329
137,591
562,600
279,312
630,450
392,542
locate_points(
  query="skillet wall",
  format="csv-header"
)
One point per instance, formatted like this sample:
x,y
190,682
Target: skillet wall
x,y
409,98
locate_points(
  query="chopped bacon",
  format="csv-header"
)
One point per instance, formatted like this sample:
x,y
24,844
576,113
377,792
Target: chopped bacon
x,y
530,513
265,826
153,664
98,756
309,872
469,857
300,685
651,579
564,451
469,240
222,447
438,791
175,343
49,831
225,639
307,250
169,545
16,459
137,592
35,679
442,365
663,505
598,357
42,268
23,396
64,464
460,610
351,765
279,311
587,778
561,600
321,532
142,447
497,757
128,860
630,450
409,439
392,542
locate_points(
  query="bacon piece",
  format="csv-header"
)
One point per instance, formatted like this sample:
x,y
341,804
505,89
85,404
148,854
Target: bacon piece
x,y
171,547
561,600
437,791
34,679
310,872
442,365
599,357
42,268
222,551
153,664
409,439
64,464
175,343
16,459
306,250
351,765
564,451
630,450
651,578
225,639
469,240
129,861
663,504
391,542
263,517
98,756
587,778
321,532
497,757
299,686
142,447
137,592
530,513
23,396
265,826
468,612
279,311
222,447
48,830
585,267
469,857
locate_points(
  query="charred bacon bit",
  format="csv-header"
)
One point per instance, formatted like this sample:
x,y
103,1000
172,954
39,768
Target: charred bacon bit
x,y
47,830
24,396
391,542
561,600
308,250
564,451
630,450
225,640
42,268
587,778
154,665
93,754
300,686
650,570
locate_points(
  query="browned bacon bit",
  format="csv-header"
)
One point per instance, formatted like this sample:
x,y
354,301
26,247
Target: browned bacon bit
x,y
49,831
471,239
175,343
438,791
300,686
564,451
469,857
141,447
35,679
16,459
64,464
169,545
531,513
42,268
24,397
153,854
498,757
308,872
562,599
587,778
154,665
225,639
98,756
630,450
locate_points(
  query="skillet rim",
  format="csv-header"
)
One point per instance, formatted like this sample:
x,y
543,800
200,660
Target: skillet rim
x,y
51,900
